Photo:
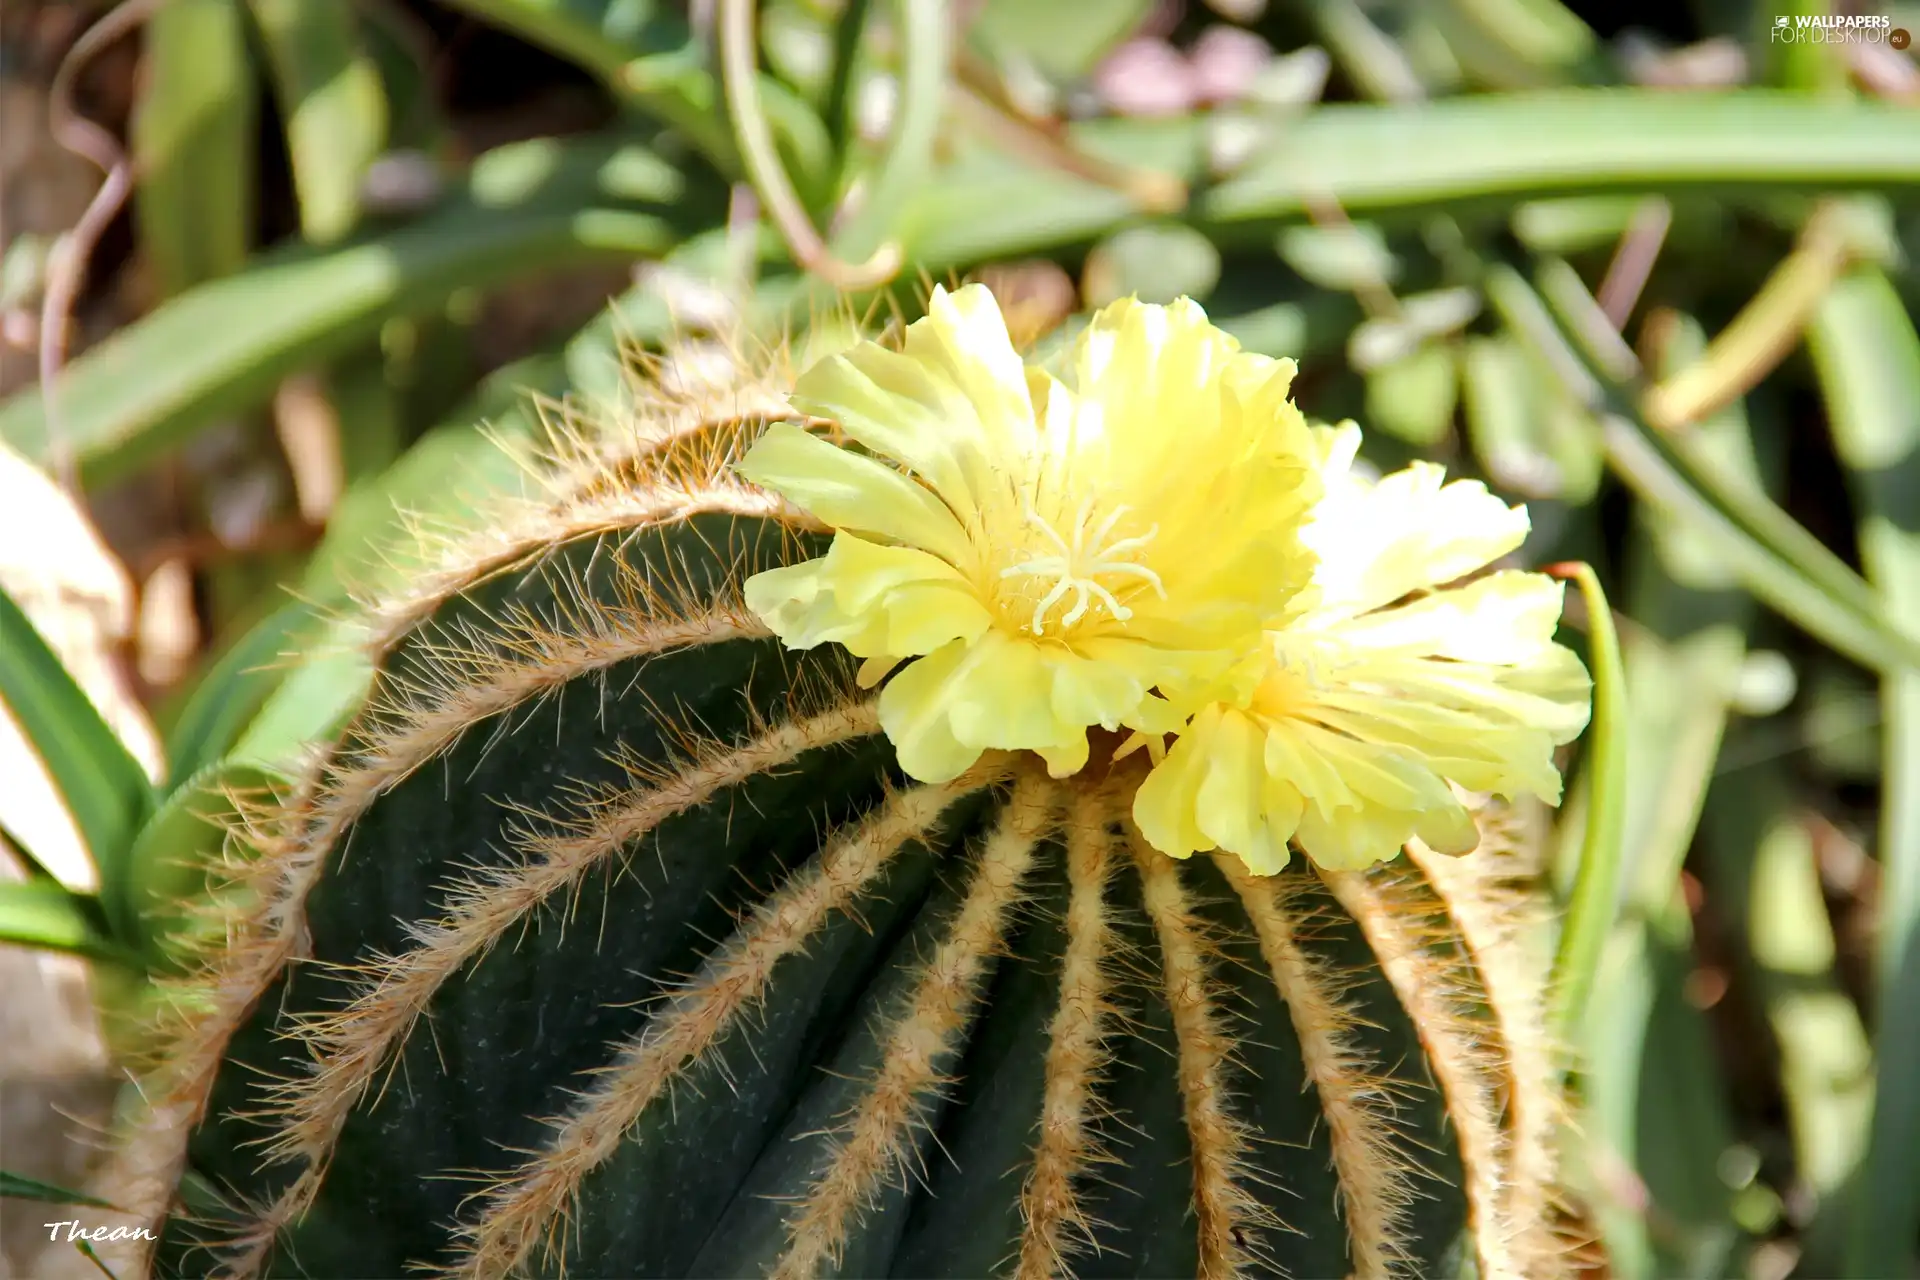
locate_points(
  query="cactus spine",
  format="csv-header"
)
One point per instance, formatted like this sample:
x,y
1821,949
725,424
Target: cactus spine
x,y
609,940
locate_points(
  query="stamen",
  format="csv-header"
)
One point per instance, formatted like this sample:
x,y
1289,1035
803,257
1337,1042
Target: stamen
x,y
1080,562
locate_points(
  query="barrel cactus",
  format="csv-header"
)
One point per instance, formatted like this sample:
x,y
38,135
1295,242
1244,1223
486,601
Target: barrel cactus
x,y
938,816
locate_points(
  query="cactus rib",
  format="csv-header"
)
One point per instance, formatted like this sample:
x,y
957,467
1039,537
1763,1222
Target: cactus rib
x,y
395,737
352,1043
523,1207
1375,1179
1229,1215
874,1144
1480,898
1397,922
1056,1224
522,534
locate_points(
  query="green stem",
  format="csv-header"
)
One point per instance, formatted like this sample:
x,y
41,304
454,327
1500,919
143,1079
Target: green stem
x,y
925,56
839,103
1596,887
739,74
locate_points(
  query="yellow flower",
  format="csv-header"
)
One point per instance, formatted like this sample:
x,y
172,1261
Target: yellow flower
x,y
1389,688
1052,557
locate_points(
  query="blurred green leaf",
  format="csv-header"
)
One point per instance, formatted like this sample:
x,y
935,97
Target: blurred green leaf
x,y
1064,38
1747,528
224,346
372,410
1653,1078
18,1186
1157,263
1803,64
177,861
1529,434
333,105
1530,146
648,56
1343,258
1766,882
48,916
1867,356
923,86
1514,44
102,785
1417,320
1376,62
1575,224
232,689
193,142
1500,390
1414,397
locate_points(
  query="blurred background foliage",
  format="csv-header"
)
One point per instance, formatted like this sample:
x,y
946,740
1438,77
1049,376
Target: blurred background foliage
x,y
1644,266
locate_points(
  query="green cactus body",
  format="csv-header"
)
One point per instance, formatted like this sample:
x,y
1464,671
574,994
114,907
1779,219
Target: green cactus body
x,y
609,941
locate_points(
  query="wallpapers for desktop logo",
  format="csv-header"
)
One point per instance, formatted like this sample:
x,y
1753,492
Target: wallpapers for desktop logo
x,y
1825,28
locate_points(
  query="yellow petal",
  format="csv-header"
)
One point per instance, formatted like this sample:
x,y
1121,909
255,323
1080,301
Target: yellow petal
x,y
1232,800
914,715
965,336
999,691
1164,807
1212,791
949,406
1378,542
853,492
874,600
1505,617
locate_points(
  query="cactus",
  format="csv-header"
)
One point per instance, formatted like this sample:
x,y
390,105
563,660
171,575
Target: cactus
x,y
611,939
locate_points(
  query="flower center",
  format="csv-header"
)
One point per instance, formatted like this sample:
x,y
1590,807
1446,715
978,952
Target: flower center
x,y
1077,563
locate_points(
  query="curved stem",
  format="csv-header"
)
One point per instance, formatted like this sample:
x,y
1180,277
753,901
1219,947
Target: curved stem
x,y
1596,888
839,108
739,73
922,29
68,269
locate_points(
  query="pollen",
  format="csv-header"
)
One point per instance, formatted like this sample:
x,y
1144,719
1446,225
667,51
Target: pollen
x,y
1076,565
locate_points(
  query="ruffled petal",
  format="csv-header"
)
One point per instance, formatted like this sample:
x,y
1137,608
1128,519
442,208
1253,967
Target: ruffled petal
x,y
1378,542
952,406
944,710
1165,807
914,714
853,492
877,601
1506,617
965,336
1213,791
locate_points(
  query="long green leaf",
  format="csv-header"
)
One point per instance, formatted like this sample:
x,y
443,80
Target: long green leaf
x,y
48,916
1733,495
333,105
193,143
1653,1082
102,785
17,1186
1523,146
1383,159
648,56
1660,477
1868,359
233,689
223,347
